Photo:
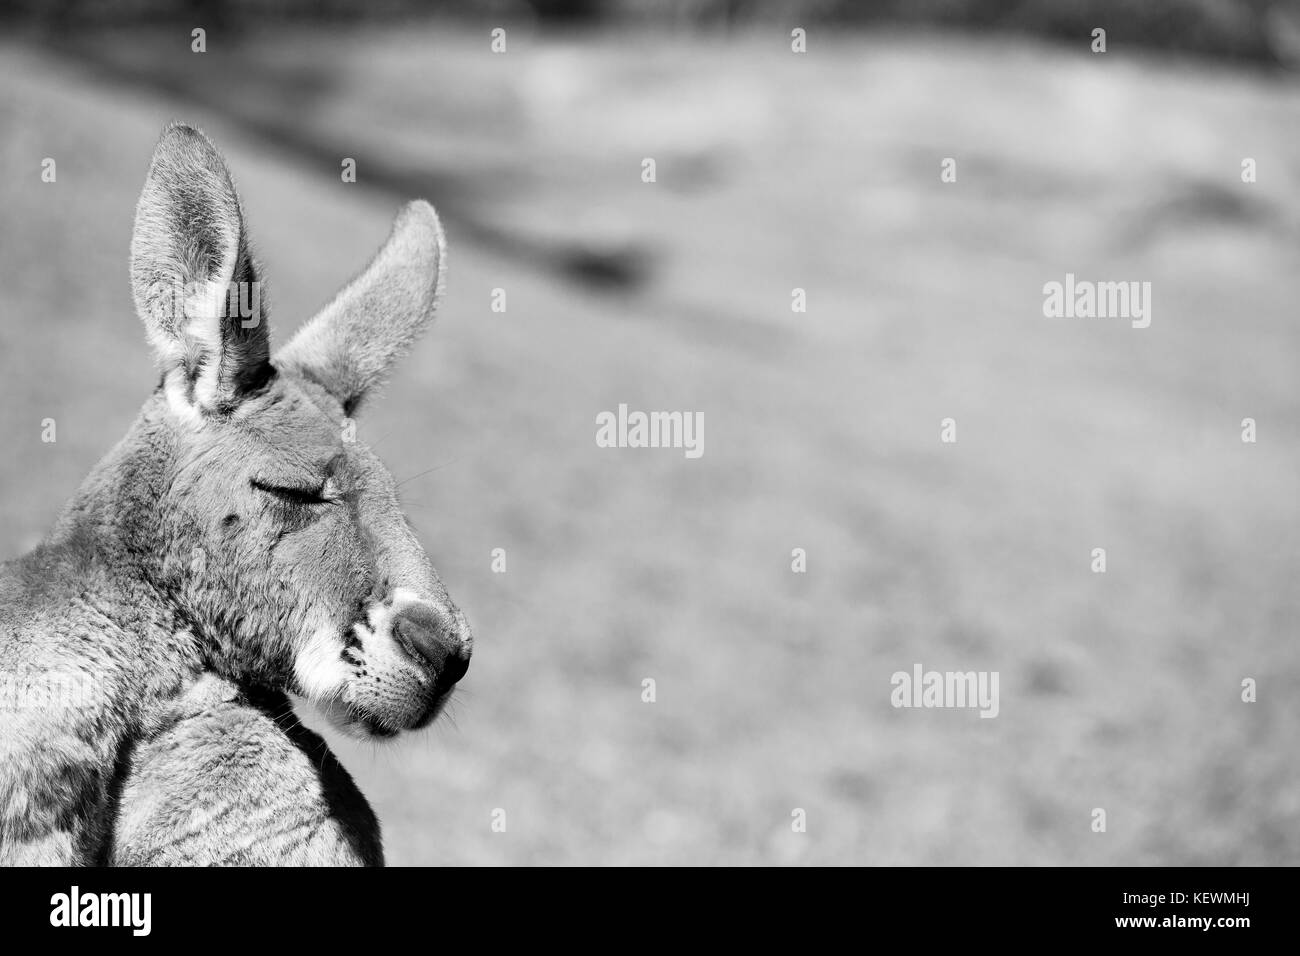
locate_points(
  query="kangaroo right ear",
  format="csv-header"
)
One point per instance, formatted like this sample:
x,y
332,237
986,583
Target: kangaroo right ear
x,y
351,344
193,277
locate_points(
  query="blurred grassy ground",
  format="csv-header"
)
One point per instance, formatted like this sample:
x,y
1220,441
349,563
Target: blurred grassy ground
x,y
1118,691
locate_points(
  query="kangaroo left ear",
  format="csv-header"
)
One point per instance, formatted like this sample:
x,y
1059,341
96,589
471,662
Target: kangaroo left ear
x,y
193,277
351,345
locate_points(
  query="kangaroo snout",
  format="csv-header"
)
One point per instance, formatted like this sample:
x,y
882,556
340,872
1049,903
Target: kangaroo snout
x,y
435,639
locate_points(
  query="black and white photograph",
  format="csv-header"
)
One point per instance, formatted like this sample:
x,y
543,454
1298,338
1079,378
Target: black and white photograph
x,y
615,433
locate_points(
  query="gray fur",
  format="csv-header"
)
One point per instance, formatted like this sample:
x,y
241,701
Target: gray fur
x,y
189,233
231,779
376,319
232,530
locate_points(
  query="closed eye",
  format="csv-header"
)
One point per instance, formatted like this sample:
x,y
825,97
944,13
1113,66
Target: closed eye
x,y
293,495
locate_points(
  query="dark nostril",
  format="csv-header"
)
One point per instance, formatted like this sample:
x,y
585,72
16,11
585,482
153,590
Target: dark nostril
x,y
456,667
432,637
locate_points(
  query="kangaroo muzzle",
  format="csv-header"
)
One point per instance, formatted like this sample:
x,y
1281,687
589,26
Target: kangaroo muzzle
x,y
435,640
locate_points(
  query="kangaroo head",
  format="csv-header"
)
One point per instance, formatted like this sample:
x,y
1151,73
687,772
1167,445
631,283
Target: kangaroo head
x,y
274,533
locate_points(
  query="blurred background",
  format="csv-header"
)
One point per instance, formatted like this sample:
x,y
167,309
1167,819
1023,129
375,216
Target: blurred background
x,y
775,171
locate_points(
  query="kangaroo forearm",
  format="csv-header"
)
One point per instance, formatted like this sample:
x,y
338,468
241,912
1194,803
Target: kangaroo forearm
x,y
231,783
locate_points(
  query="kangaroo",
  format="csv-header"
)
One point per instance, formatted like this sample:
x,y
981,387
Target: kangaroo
x,y
235,545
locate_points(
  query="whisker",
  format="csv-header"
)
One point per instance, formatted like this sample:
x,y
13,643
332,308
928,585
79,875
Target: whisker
x,y
386,434
430,470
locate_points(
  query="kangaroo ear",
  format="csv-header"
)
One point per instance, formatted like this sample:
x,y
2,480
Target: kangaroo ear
x,y
350,345
193,277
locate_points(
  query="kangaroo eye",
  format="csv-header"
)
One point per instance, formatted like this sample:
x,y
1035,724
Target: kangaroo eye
x,y
319,495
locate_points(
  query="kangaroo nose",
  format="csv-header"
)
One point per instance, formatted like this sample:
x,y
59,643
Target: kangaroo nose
x,y
433,637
